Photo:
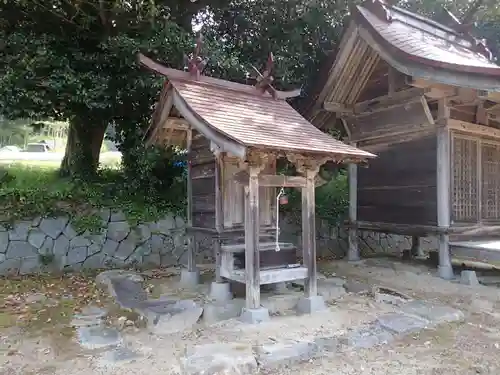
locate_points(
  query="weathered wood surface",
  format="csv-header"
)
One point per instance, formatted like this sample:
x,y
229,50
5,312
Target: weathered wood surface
x,y
309,235
252,256
408,116
399,186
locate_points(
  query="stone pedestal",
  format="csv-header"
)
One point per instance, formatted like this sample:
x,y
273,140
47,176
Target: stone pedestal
x,y
189,279
220,292
255,316
309,305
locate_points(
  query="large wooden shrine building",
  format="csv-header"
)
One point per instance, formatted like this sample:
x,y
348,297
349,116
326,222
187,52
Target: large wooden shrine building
x,y
425,97
234,134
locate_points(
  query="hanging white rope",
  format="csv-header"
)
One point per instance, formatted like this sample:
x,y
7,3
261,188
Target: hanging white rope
x,y
280,194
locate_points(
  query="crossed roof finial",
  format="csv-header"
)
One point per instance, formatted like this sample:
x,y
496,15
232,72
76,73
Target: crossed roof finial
x,y
265,79
195,64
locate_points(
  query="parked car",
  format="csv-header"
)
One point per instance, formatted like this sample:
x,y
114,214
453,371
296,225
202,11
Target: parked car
x,y
37,147
10,149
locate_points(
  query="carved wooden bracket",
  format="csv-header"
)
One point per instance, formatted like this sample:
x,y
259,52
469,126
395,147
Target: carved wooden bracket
x,y
305,165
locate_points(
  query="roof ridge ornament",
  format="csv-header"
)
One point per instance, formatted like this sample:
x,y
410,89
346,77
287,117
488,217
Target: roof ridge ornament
x,y
265,80
195,64
380,8
465,28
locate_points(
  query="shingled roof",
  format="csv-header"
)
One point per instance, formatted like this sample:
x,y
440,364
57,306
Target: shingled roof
x,y
239,116
379,34
407,35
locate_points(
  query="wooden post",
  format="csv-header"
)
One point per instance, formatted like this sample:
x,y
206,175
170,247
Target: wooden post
x,y
445,269
309,235
191,261
219,220
353,252
252,225
416,249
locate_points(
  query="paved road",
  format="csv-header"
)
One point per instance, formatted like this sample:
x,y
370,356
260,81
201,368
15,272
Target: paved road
x,y
48,156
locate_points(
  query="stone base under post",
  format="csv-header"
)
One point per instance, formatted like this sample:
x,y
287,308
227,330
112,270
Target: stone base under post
x,y
445,269
255,316
446,272
309,305
189,279
220,292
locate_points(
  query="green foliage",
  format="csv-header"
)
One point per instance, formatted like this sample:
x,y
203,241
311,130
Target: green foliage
x,y
91,223
36,191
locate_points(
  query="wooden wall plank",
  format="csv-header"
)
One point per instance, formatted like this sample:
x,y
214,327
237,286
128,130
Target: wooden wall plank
x,y
399,186
407,116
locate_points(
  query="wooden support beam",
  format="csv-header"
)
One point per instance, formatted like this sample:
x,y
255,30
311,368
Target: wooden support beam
x,y
473,129
269,180
443,197
191,261
386,101
219,213
353,251
337,108
309,234
252,224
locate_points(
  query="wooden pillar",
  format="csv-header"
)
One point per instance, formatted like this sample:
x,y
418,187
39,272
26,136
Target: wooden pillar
x,y
252,225
353,252
219,220
191,258
445,269
416,248
309,234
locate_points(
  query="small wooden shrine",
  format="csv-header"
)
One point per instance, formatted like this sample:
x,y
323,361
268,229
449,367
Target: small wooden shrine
x,y
425,97
234,134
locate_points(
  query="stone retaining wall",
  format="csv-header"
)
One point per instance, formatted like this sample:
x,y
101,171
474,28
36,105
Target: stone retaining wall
x,y
52,244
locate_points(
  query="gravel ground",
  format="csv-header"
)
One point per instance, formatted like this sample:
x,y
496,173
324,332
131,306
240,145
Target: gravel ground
x,y
468,348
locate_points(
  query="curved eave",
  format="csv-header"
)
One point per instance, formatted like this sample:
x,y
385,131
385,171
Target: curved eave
x,y
223,142
433,68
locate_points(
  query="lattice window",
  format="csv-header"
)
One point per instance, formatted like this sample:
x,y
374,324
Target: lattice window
x,y
490,194
465,179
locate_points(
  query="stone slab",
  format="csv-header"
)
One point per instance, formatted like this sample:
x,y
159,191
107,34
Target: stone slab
x,y
118,356
330,344
217,359
401,324
279,354
166,317
367,337
434,313
98,336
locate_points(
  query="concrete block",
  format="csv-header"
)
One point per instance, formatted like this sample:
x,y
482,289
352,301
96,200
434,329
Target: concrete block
x,y
275,355
189,279
220,292
309,305
254,316
469,278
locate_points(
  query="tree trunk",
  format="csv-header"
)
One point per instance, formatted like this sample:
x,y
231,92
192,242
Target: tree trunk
x,y
81,158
